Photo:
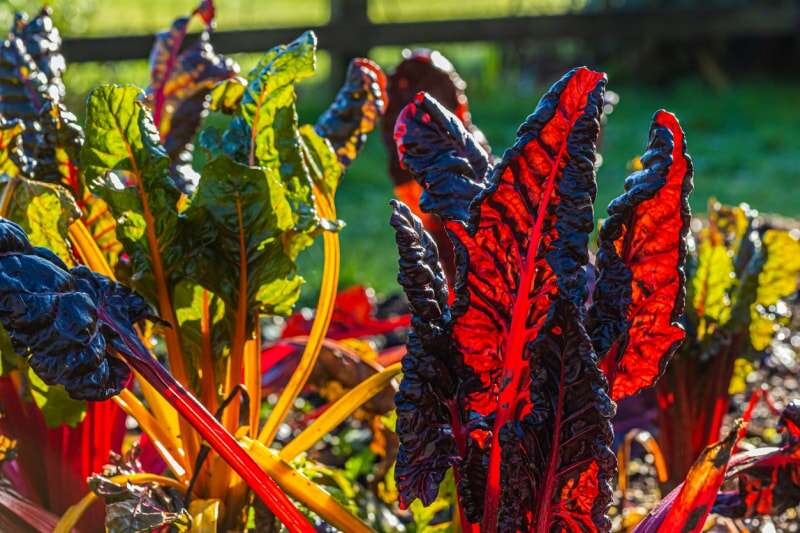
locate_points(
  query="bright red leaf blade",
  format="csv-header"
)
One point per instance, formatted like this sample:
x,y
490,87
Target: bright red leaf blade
x,y
640,293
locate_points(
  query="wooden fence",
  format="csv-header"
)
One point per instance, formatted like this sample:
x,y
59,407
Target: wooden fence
x,y
350,32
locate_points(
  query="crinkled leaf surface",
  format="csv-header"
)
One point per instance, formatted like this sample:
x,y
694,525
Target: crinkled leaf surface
x,y
427,392
238,218
532,407
640,292
133,508
439,151
123,163
429,71
355,112
68,322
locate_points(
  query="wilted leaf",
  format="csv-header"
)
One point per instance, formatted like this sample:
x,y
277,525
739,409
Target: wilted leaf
x,y
138,508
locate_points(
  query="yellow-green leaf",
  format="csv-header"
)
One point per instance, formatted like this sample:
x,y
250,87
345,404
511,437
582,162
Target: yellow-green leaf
x,y
56,405
778,279
45,212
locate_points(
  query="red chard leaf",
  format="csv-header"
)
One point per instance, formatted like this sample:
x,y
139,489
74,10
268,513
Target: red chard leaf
x,y
426,395
429,71
640,293
686,508
530,404
433,144
355,112
767,480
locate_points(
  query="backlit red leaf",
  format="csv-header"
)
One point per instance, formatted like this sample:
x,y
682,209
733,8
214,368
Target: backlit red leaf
x,y
686,508
530,398
640,291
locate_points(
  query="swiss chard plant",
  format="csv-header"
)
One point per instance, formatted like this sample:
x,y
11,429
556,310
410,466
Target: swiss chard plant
x,y
208,251
741,268
512,383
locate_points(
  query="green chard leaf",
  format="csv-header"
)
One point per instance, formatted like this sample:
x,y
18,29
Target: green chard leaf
x,y
238,209
264,131
124,163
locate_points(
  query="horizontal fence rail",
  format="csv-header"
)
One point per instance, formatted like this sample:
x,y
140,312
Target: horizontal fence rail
x,y
352,33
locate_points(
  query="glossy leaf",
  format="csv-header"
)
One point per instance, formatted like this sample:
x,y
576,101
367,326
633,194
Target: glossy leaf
x,y
530,385
356,110
182,75
123,163
31,65
43,43
777,280
640,292
686,508
38,291
436,148
429,71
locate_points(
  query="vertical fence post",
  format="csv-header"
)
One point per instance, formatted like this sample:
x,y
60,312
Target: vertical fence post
x,y
349,19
